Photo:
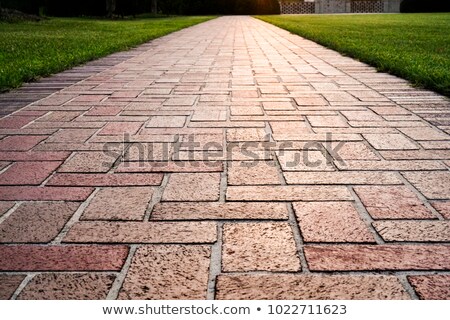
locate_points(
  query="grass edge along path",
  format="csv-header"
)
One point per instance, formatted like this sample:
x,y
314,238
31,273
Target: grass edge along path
x,y
415,47
30,50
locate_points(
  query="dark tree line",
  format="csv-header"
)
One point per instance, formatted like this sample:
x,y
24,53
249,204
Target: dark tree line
x,y
132,7
425,6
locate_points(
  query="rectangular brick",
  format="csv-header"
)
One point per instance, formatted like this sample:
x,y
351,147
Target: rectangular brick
x,y
433,185
378,257
309,287
413,231
219,211
20,143
278,105
142,232
288,127
342,177
15,122
62,258
425,133
246,111
119,203
60,116
105,180
25,193
181,101
166,122
389,141
389,202
34,156
28,173
363,115
120,128
36,222
253,173
288,193
60,286
56,99
171,166
397,165
316,137
416,155
168,272
180,187
331,222
304,160
91,162
259,247
246,134
71,135
104,111
209,115
327,121
350,151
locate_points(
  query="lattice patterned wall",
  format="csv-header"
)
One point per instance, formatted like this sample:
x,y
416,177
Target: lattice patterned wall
x,y
297,7
367,6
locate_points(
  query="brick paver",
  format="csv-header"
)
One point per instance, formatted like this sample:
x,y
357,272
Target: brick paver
x,y
140,180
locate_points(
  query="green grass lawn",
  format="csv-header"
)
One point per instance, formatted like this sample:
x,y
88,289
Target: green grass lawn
x,y
32,49
413,46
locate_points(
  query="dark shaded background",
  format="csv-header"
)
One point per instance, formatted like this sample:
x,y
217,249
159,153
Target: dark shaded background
x,y
70,8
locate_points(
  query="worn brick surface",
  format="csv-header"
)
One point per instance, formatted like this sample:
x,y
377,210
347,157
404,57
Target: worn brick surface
x,y
215,210
9,284
26,193
20,143
139,232
28,173
167,272
415,231
122,203
327,178
432,287
253,173
192,187
105,180
89,162
331,222
389,141
147,149
309,287
259,247
61,286
433,185
386,202
62,258
287,193
36,222
378,257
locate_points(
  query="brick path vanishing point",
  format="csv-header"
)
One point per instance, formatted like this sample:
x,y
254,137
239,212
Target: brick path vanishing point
x,y
366,218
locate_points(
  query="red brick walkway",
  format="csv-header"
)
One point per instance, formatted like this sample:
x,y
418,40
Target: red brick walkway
x,y
349,198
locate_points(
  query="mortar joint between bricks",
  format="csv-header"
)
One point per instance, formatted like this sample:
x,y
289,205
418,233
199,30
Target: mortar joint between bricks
x,y
298,238
118,282
74,219
156,197
365,216
22,285
421,197
407,286
215,267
